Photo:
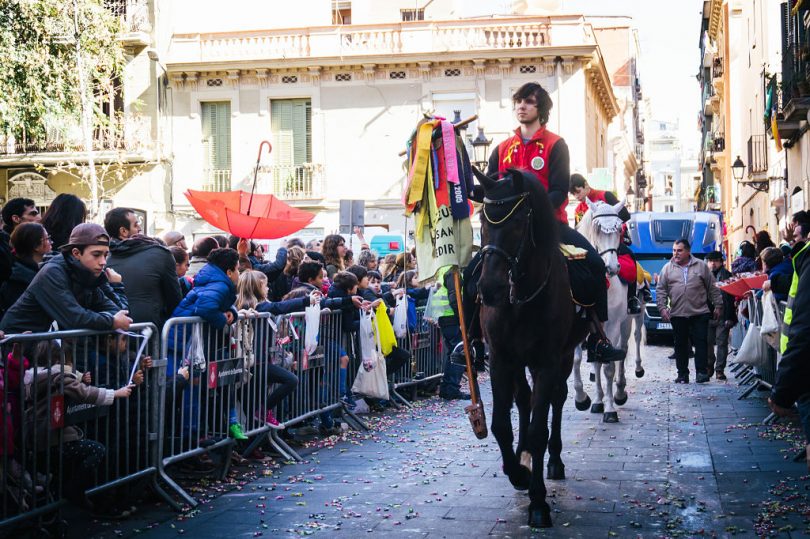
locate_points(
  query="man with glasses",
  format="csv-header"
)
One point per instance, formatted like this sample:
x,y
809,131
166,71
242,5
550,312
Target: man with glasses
x,y
16,211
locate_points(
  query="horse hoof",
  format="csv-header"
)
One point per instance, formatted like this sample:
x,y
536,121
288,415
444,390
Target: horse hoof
x,y
621,401
539,518
640,373
584,405
610,417
597,408
556,472
521,479
592,377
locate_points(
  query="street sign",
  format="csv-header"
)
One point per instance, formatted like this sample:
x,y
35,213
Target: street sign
x,y
352,214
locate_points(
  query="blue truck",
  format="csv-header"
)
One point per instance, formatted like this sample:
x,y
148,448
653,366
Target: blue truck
x,y
652,235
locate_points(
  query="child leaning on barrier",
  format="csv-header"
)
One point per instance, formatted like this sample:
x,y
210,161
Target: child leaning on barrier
x,y
251,296
80,456
212,299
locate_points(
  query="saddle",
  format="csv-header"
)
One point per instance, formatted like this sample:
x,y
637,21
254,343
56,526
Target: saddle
x,y
571,252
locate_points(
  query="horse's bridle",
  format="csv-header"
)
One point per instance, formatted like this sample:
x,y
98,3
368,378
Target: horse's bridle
x,y
515,272
613,249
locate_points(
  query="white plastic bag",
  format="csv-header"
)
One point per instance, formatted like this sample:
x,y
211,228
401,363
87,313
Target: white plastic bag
x,y
400,321
754,350
372,382
195,353
432,312
312,317
770,320
368,344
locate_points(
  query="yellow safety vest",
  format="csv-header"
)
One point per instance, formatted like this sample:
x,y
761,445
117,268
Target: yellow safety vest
x,y
794,288
440,298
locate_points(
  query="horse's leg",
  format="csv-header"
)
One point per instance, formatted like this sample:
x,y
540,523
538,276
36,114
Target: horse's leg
x,y
581,399
610,415
620,396
639,327
544,387
598,405
556,468
523,401
502,381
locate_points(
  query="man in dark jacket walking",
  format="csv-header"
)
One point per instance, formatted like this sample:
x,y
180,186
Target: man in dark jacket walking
x,y
793,373
719,329
148,269
72,290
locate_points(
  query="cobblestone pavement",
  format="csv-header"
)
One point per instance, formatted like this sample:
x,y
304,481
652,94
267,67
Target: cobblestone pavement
x,y
683,461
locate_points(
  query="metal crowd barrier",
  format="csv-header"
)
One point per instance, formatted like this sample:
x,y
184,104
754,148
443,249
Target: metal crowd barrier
x,y
61,438
200,380
765,375
426,363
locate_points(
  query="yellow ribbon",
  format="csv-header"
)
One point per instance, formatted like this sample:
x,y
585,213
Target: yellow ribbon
x,y
421,164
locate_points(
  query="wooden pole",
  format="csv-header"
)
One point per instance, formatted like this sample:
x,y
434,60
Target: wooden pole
x,y
475,411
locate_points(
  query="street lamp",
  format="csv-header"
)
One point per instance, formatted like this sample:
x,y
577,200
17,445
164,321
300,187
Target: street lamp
x,y
738,168
630,196
481,149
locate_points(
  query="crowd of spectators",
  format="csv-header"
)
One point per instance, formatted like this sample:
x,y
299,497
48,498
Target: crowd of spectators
x,y
59,272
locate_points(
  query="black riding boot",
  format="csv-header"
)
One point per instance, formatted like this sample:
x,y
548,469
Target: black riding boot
x,y
633,303
600,350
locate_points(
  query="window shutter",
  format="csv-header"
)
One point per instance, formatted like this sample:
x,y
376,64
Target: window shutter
x,y
216,131
291,125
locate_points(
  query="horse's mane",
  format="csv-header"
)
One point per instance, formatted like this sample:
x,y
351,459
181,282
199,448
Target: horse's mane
x,y
546,226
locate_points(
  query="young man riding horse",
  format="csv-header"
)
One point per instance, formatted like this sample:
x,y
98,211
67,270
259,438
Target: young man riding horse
x,y
544,154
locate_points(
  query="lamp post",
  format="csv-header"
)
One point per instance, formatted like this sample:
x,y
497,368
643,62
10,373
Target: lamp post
x,y
481,148
630,196
738,168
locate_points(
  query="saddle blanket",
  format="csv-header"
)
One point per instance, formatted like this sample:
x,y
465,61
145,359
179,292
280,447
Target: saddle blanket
x,y
573,253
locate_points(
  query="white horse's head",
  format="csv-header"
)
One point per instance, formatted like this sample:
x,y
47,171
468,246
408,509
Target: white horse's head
x,y
602,226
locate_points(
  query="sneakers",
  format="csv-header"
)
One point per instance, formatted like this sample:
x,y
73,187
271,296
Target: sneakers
x,y
237,433
271,421
702,378
633,305
683,379
720,375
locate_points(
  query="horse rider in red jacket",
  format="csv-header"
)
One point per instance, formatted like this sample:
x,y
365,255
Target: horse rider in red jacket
x,y
534,148
627,262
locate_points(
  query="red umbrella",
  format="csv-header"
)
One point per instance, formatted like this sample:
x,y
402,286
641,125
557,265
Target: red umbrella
x,y
247,215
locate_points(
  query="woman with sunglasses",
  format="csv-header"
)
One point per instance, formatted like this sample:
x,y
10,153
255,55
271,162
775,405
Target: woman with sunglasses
x,y
30,243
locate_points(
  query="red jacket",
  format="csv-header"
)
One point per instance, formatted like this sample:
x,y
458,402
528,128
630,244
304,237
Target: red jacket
x,y
535,156
582,207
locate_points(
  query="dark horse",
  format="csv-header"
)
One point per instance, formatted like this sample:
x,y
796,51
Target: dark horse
x,y
529,320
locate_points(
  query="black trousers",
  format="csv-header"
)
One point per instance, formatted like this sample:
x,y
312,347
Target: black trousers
x,y
595,264
692,329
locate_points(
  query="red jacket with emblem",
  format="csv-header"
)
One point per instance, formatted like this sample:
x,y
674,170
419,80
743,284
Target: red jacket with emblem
x,y
545,155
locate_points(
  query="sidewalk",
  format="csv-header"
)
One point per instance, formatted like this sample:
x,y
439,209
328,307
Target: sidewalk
x,y
684,461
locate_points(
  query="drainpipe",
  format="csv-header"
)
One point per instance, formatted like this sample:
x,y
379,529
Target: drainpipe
x,y
558,72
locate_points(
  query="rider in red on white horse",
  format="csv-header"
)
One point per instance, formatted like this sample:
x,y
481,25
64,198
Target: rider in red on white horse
x,y
627,262
535,149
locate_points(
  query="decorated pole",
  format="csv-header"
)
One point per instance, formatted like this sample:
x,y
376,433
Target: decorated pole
x,y
475,411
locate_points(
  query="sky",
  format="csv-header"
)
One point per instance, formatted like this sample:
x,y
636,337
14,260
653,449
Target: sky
x,y
669,35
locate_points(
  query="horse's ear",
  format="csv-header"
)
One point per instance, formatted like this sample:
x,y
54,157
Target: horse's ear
x,y
486,182
619,206
517,179
591,205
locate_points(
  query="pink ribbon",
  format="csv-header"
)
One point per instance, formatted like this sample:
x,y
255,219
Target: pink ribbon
x,y
449,143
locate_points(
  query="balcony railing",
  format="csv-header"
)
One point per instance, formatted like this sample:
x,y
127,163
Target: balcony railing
x,y
294,182
718,141
358,40
216,180
134,14
757,154
131,134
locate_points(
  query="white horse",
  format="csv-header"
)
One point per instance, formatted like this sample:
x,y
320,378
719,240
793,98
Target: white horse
x,y
602,227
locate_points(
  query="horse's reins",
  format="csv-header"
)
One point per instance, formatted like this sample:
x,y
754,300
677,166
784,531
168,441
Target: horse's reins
x,y
513,261
611,250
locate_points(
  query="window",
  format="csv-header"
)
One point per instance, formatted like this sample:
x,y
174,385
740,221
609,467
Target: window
x,y
291,125
341,12
412,14
216,131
